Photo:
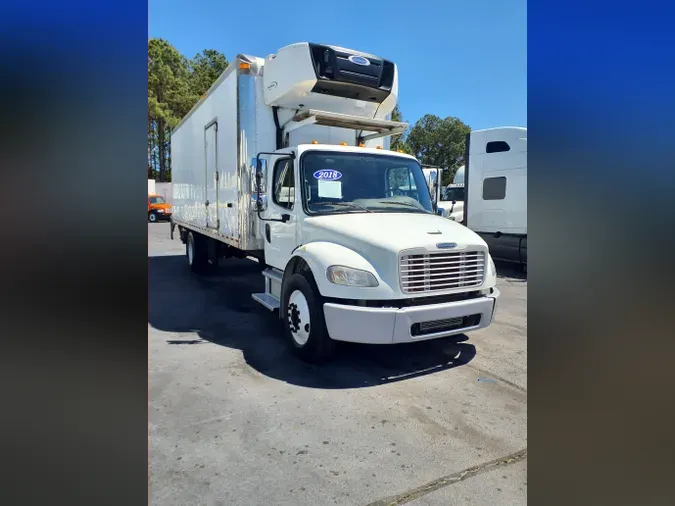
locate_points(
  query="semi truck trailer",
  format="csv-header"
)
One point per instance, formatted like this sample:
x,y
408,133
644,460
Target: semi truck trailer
x,y
286,160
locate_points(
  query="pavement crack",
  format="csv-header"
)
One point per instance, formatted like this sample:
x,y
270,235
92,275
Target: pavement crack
x,y
450,479
510,383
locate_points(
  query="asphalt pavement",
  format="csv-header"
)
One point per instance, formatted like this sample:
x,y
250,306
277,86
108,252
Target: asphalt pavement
x,y
235,419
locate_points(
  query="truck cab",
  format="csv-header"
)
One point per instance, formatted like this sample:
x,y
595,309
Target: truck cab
x,y
380,266
158,208
451,202
496,179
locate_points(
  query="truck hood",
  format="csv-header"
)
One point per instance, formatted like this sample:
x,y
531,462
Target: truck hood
x,y
393,232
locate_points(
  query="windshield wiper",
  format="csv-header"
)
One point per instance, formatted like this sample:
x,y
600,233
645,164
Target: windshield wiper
x,y
349,204
407,204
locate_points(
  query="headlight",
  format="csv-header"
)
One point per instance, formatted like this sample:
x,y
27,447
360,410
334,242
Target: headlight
x,y
159,210
341,275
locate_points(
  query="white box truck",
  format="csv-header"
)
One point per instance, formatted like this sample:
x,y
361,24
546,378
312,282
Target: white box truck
x,y
285,159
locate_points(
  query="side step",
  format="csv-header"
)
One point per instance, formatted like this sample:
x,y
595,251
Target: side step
x,y
270,299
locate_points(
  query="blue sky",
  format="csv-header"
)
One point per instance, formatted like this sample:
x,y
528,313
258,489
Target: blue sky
x,y
456,58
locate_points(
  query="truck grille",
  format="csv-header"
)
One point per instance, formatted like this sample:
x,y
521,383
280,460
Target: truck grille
x,y
426,272
447,325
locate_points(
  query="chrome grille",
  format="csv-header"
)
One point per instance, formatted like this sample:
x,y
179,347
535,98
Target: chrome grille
x,y
425,272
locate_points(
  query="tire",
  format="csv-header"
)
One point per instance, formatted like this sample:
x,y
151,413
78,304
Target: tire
x,y
304,322
196,253
152,217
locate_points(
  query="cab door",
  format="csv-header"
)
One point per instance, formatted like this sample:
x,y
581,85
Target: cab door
x,y
280,217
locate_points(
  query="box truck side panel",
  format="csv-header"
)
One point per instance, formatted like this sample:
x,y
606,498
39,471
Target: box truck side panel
x,y
224,110
205,165
187,174
259,134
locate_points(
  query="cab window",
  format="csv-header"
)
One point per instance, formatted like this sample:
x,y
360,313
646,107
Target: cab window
x,y
401,182
284,183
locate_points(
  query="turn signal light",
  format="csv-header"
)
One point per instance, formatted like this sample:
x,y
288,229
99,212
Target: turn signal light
x,y
362,145
315,142
379,147
343,143
244,66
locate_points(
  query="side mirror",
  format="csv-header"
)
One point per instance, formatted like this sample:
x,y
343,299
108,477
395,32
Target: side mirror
x,y
259,172
259,202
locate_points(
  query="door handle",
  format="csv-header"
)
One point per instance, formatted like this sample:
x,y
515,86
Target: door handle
x,y
207,202
285,218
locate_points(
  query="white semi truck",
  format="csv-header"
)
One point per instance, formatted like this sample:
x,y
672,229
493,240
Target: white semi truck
x,y
286,159
449,201
496,190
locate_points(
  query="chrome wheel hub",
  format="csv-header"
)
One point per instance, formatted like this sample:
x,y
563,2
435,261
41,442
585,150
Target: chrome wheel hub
x,y
297,317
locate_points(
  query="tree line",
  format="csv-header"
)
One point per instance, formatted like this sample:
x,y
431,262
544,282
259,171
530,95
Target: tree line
x,y
176,83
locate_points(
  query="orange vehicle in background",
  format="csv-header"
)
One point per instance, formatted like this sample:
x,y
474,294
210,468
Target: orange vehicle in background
x,y
158,209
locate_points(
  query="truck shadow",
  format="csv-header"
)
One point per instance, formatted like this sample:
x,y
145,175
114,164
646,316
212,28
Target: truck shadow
x,y
219,309
510,270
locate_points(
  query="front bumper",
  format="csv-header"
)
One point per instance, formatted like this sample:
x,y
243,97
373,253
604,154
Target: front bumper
x,y
162,216
398,325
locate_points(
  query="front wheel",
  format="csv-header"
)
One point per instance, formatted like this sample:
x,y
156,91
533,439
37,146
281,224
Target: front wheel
x,y
152,217
304,323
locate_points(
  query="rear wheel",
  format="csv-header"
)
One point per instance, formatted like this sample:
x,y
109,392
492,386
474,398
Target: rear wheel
x,y
304,323
196,252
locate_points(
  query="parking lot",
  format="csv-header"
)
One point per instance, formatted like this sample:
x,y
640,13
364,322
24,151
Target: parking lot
x,y
235,419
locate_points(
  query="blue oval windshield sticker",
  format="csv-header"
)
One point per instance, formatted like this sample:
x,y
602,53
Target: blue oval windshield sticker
x,y
327,175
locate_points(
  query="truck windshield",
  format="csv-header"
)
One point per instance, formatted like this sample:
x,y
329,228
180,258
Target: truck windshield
x,y
456,194
157,200
361,182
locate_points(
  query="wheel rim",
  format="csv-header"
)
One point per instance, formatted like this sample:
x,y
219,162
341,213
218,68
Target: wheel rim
x,y
153,217
190,250
297,317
